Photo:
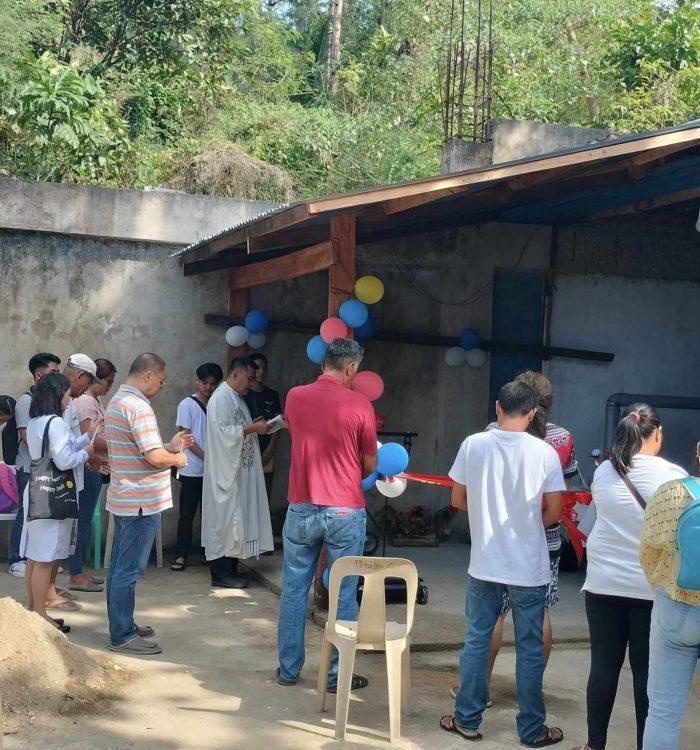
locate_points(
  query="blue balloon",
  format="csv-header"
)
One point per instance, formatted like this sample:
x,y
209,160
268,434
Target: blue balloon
x,y
367,329
256,321
469,339
353,313
316,349
326,578
392,459
369,481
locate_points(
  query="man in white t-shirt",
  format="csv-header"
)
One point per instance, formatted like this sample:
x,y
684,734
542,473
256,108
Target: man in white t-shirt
x,y
510,483
192,418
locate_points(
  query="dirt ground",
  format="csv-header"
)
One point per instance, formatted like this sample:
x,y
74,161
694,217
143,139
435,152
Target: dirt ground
x,y
213,687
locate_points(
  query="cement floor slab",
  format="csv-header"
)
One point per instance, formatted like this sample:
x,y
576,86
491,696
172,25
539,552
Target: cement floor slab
x,y
441,621
213,687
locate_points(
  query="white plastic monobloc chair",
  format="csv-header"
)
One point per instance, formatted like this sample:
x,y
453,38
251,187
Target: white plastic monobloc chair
x,y
370,632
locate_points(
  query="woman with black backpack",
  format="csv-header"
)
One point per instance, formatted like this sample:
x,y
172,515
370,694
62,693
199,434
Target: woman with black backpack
x,y
669,555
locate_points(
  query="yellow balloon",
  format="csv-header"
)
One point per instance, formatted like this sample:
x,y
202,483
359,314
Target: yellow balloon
x,y
369,289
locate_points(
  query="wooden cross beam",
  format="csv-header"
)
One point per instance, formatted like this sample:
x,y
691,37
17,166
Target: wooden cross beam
x,y
422,339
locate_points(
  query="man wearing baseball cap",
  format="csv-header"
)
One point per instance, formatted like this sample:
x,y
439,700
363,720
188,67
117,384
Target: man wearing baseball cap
x,y
81,371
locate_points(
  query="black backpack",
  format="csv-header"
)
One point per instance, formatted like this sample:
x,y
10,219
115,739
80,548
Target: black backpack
x,y
10,442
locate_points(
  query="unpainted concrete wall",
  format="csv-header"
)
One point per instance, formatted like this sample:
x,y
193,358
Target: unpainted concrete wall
x,y
136,215
517,139
650,326
106,299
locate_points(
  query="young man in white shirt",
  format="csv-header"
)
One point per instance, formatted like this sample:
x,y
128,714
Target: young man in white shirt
x,y
192,418
510,483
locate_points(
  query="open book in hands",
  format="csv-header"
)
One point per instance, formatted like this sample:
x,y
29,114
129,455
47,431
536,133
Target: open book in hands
x,y
275,424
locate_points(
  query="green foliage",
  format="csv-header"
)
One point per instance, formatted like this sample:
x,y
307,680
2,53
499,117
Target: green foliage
x,y
135,92
65,126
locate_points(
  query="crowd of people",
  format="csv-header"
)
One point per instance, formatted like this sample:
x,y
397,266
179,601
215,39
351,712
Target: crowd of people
x,y
509,479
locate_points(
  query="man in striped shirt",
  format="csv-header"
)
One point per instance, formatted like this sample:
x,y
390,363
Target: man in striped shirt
x,y
139,491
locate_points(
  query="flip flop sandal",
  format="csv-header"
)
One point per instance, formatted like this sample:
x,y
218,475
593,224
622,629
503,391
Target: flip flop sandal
x,y
65,594
58,620
178,566
90,587
358,682
552,737
63,606
65,629
449,724
97,581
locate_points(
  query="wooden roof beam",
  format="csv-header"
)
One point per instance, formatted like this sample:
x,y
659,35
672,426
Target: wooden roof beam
x,y
300,263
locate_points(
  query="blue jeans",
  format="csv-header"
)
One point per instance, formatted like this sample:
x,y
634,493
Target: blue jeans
x,y
16,535
483,607
674,649
87,501
133,541
306,528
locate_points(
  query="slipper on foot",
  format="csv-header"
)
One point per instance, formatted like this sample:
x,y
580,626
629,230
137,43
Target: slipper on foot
x,y
449,724
65,594
358,682
552,735
144,631
63,606
179,564
90,587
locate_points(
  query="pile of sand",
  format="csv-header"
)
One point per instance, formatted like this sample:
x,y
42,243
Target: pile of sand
x,y
42,673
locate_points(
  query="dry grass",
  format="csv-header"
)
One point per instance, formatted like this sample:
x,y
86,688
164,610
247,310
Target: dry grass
x,y
222,169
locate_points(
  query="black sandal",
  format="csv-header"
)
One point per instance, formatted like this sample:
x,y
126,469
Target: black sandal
x,y
551,737
358,682
449,724
179,564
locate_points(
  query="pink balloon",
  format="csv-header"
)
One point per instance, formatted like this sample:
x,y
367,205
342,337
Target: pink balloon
x,y
369,384
333,328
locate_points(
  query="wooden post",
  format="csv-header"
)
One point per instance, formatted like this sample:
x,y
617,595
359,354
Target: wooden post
x,y
341,284
238,306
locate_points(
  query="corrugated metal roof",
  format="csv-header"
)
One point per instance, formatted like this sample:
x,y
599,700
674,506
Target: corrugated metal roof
x,y
625,174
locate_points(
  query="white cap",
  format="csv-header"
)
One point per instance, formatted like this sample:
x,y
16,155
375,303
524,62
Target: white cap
x,y
83,363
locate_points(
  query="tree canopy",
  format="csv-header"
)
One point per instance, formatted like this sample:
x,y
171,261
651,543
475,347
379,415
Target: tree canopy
x,y
146,92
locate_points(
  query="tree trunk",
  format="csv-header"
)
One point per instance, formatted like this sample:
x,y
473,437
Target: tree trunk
x,y
333,61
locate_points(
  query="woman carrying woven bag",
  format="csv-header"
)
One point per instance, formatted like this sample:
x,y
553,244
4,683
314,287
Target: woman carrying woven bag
x,y
45,541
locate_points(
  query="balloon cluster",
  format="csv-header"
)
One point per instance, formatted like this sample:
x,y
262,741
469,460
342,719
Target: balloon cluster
x,y
352,314
467,352
252,332
392,459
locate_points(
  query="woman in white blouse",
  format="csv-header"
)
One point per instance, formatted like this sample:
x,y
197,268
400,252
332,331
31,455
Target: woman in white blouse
x,y
618,597
44,542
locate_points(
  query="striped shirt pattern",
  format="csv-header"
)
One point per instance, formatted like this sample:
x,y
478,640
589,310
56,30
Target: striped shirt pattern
x,y
131,431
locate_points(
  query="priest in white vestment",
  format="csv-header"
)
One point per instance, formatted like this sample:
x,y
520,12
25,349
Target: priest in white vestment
x,y
235,513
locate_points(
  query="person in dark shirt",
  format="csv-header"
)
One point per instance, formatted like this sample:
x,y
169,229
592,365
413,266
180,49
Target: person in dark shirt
x,y
10,441
264,402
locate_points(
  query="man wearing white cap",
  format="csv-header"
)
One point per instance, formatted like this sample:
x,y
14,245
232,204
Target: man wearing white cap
x,y
82,373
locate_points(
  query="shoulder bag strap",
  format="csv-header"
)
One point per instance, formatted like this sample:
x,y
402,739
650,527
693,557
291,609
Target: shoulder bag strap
x,y
691,484
199,403
45,439
633,490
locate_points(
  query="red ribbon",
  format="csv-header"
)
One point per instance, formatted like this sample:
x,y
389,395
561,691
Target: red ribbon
x,y
568,515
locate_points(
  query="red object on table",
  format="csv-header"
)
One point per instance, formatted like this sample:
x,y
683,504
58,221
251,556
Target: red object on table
x,y
568,515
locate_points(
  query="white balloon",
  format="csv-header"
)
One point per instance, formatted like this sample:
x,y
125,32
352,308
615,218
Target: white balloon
x,y
455,356
257,340
476,358
237,336
379,445
391,486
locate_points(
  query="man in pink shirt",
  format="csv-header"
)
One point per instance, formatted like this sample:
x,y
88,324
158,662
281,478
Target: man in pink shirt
x,y
334,445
